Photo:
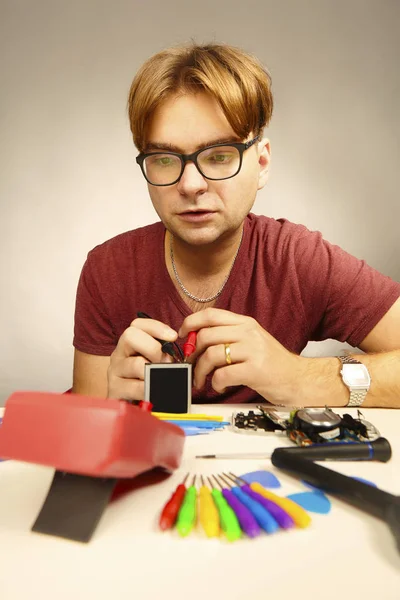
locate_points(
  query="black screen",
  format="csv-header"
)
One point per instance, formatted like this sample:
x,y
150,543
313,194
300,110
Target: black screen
x,y
169,390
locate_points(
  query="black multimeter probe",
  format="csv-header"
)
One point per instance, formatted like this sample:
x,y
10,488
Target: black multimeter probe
x,y
171,348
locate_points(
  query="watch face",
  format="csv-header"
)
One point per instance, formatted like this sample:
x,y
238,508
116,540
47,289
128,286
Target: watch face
x,y
356,376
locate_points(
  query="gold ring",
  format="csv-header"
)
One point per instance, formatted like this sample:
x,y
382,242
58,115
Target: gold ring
x,y
228,358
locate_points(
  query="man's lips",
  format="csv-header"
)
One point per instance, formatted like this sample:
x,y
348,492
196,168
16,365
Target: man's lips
x,y
197,212
196,215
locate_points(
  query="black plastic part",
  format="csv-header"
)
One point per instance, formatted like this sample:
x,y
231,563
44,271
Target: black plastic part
x,y
372,500
253,421
73,506
393,519
362,495
379,449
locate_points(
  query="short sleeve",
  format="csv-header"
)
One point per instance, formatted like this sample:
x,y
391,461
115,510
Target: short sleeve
x,y
343,297
93,330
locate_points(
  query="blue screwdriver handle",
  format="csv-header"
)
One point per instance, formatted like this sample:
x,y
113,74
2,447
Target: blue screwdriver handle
x,y
284,520
246,520
262,516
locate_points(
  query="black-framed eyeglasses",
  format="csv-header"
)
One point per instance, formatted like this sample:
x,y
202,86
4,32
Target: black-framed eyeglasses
x,y
217,162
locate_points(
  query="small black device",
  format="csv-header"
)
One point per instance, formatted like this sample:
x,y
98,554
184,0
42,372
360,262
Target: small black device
x,y
168,386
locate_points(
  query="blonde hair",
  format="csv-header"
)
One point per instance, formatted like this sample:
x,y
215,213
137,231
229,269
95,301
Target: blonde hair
x,y
237,80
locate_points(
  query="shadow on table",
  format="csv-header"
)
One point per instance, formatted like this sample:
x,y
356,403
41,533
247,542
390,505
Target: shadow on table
x,y
125,486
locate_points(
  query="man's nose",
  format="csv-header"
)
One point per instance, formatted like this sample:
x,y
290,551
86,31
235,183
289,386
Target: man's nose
x,y
192,181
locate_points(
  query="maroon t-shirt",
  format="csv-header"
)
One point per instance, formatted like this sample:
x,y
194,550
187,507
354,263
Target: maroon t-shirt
x,y
296,285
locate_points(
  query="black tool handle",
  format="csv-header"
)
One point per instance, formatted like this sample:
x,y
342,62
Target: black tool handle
x,y
379,449
366,497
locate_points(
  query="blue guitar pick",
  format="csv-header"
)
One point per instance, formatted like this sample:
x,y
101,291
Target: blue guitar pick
x,y
315,502
266,478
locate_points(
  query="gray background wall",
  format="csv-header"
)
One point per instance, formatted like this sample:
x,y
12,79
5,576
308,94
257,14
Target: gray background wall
x,y
68,178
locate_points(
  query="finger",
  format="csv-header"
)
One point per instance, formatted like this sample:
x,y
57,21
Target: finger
x,y
229,376
212,336
135,341
215,357
125,389
166,358
210,317
126,377
156,329
131,367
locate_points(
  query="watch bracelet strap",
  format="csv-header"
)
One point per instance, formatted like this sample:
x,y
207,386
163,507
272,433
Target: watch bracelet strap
x,y
349,360
357,397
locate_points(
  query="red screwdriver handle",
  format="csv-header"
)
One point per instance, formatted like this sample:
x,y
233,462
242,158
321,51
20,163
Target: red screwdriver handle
x,y
171,509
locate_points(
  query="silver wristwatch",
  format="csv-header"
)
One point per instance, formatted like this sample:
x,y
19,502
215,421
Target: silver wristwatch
x,y
356,377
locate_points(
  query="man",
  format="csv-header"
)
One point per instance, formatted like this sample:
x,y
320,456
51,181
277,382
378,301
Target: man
x,y
255,289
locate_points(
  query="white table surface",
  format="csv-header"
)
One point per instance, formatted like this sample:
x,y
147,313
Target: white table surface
x,y
346,554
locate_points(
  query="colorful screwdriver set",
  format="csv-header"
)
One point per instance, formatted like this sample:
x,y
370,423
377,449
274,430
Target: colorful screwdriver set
x,y
231,505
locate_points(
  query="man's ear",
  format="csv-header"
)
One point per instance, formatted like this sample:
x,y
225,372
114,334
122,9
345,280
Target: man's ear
x,y
264,158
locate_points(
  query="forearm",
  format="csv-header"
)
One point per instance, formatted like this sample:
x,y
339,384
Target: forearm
x,y
319,382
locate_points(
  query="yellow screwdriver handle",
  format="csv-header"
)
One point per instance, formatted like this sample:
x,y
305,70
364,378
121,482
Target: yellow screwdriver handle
x,y
209,517
298,514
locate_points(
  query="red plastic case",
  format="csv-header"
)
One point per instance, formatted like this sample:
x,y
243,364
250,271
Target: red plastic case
x,y
88,436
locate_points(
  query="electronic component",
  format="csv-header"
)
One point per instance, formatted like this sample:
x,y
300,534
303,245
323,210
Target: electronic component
x,y
314,420
253,422
306,426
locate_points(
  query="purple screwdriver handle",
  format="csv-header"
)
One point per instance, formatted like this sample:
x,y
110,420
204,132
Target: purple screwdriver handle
x,y
246,520
285,521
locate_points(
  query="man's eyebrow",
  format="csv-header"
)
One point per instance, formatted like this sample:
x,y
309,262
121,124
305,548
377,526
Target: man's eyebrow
x,y
152,146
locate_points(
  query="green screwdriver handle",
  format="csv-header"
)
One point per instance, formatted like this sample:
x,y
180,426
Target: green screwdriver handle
x,y
229,522
187,513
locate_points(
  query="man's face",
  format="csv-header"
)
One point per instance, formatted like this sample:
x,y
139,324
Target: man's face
x,y
197,210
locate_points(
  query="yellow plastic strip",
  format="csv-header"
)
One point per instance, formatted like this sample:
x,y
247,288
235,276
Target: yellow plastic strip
x,y
186,417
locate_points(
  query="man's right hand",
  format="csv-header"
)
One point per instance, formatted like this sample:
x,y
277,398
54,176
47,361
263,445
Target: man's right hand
x,y
136,346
